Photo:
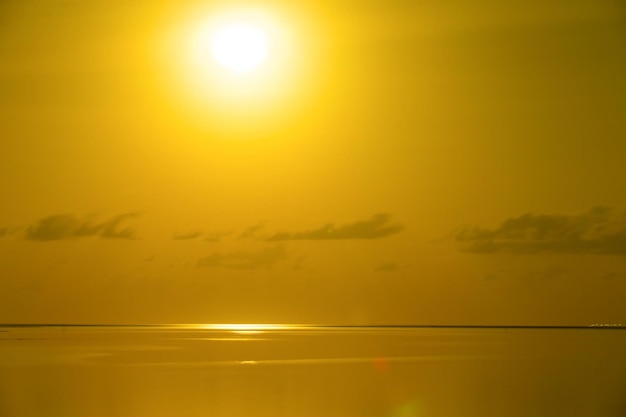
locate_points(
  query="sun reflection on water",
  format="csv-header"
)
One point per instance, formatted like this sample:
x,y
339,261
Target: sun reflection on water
x,y
247,328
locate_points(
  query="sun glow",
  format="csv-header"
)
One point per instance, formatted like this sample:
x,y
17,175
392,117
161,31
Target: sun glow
x,y
243,70
240,47
238,50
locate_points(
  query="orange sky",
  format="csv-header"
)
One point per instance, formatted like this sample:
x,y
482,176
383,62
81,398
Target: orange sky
x,y
453,162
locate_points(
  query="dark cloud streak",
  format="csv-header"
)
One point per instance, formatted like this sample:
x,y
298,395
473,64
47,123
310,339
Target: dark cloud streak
x,y
6,231
267,257
375,228
187,236
250,232
68,226
601,230
387,267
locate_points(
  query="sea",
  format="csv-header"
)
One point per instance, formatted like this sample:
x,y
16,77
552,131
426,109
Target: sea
x,y
260,370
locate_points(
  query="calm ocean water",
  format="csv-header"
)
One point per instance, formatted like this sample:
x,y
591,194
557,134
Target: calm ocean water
x,y
241,371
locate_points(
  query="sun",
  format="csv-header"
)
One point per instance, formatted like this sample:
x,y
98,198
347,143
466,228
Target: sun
x,y
235,44
239,47
238,70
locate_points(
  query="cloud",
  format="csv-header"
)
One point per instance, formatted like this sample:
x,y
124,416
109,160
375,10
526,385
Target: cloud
x,y
553,271
387,267
548,272
376,227
216,236
68,226
250,232
10,231
187,236
298,264
612,275
601,230
267,257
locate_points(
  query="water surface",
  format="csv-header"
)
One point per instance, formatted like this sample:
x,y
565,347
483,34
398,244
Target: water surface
x,y
229,371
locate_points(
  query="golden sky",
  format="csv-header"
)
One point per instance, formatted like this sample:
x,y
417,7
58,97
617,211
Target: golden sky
x,y
440,162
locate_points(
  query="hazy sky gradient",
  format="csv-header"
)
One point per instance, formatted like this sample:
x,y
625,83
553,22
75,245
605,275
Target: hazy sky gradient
x,y
453,162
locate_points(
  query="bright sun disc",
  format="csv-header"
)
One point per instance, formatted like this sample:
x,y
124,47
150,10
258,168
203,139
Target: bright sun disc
x,y
240,47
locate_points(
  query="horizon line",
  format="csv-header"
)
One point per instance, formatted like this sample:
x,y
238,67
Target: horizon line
x,y
295,326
